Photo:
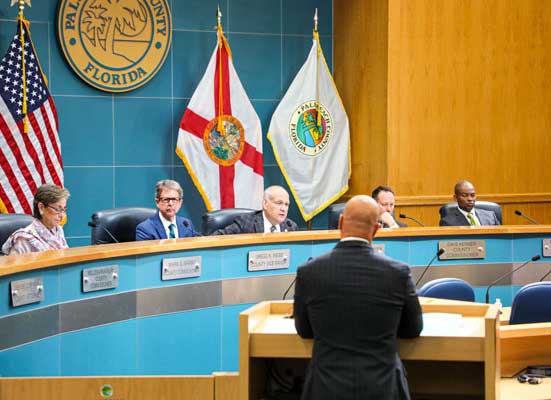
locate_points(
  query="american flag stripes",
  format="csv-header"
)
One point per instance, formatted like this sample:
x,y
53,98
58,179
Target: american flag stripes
x,y
27,159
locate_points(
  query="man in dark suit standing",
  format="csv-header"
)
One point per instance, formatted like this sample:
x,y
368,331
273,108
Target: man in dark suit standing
x,y
384,196
272,217
466,212
166,224
354,303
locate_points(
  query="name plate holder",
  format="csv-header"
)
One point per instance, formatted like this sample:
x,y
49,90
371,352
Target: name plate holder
x,y
26,291
546,247
463,250
100,278
181,267
265,260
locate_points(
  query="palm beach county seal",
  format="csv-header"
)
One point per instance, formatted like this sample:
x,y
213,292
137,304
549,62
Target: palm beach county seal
x,y
307,137
224,148
115,45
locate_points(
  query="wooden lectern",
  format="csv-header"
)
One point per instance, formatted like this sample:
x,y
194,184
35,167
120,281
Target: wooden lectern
x,y
460,364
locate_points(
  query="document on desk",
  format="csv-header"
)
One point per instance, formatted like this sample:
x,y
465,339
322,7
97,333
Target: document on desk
x,y
446,324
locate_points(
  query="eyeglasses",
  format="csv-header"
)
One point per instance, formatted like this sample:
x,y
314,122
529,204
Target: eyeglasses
x,y
58,210
167,200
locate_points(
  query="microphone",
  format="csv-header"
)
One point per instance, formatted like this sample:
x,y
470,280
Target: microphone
x,y
404,216
532,220
289,225
535,258
294,280
545,276
92,224
438,254
193,231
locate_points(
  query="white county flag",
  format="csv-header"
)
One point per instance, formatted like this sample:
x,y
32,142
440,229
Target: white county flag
x,y
220,137
310,136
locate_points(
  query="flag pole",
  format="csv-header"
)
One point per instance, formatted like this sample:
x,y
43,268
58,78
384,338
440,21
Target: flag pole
x,y
220,124
21,21
317,39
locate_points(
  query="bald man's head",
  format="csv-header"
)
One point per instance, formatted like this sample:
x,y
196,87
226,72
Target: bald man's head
x,y
360,218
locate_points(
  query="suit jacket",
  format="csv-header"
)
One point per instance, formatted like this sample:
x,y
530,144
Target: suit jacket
x,y
456,218
354,303
253,223
152,228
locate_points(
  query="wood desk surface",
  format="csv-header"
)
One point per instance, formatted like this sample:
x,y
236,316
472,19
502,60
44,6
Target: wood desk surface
x,y
511,389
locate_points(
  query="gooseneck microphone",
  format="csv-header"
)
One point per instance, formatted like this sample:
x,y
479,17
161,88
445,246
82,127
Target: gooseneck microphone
x,y
92,224
532,220
535,258
404,216
438,254
194,233
545,276
294,280
289,225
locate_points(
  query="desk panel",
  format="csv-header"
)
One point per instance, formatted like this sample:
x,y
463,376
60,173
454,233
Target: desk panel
x,y
189,326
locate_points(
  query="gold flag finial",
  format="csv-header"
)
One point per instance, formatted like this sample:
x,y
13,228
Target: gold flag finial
x,y
219,16
21,5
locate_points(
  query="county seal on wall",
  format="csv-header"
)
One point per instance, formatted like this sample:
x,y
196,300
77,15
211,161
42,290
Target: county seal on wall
x,y
307,137
115,46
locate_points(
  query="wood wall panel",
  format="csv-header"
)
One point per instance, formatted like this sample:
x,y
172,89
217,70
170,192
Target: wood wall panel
x,y
460,89
360,37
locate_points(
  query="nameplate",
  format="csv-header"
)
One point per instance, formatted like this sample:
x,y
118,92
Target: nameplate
x,y
269,259
546,244
26,291
182,267
379,248
463,249
100,278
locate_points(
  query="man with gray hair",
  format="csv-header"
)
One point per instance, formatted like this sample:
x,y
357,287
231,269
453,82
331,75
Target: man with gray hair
x,y
272,217
166,224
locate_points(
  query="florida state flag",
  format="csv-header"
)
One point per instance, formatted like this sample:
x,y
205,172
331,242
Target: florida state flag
x,y
220,137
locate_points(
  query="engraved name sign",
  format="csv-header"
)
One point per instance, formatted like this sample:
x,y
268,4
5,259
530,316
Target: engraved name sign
x,y
463,249
546,245
100,278
269,259
379,248
182,267
26,291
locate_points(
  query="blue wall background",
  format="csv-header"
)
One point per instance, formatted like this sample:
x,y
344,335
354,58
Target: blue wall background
x,y
116,146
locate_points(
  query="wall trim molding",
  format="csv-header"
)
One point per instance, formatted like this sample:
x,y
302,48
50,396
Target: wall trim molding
x,y
509,198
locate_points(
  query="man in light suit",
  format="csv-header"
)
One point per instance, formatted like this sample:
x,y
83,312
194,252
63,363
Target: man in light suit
x,y
354,303
272,217
466,212
166,224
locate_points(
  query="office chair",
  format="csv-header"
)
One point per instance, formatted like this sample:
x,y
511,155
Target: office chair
x,y
219,219
335,211
532,304
484,205
118,225
9,223
447,288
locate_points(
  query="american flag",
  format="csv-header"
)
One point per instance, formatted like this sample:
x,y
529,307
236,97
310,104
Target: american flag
x,y
27,159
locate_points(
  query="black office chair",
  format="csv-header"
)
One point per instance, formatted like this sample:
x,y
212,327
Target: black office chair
x,y
447,288
219,219
117,225
484,205
334,212
9,223
532,304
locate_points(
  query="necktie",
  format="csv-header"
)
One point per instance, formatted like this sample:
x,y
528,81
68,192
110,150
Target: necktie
x,y
172,234
471,219
273,229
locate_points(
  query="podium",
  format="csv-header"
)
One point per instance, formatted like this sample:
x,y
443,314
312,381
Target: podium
x,y
458,364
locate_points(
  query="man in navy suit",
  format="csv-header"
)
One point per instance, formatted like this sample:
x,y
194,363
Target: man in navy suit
x,y
354,302
466,212
166,224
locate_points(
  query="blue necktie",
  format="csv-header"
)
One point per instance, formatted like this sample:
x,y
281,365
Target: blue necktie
x,y
172,234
